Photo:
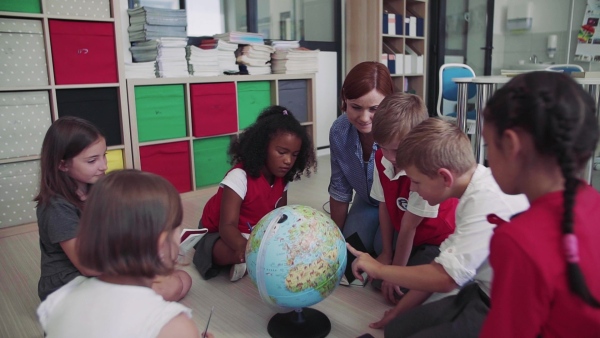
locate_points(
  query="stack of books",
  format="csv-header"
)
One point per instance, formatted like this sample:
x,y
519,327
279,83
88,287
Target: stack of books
x,y
171,60
145,51
140,70
226,53
256,58
202,62
241,38
147,23
295,61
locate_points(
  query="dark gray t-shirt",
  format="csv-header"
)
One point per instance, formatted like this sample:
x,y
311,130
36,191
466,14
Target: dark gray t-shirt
x,y
58,221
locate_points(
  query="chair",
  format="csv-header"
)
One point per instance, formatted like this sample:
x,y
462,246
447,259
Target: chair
x,y
448,90
566,68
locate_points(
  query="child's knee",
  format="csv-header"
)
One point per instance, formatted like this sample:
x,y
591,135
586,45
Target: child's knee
x,y
186,282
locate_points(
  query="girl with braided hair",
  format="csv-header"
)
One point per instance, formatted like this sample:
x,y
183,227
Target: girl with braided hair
x,y
540,130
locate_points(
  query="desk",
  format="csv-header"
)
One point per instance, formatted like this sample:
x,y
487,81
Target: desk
x,y
486,85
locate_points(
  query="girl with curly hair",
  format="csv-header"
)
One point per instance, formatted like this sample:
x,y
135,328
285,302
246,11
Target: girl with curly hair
x,y
269,154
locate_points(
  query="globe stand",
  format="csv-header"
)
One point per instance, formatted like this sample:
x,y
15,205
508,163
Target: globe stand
x,y
300,323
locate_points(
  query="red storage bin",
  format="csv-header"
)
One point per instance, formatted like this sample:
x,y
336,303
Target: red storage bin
x,y
83,52
171,161
214,109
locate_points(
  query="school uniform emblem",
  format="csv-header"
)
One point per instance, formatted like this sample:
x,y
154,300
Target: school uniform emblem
x,y
402,203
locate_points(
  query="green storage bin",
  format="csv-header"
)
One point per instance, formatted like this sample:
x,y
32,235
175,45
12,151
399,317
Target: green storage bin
x,y
25,6
253,97
210,160
160,112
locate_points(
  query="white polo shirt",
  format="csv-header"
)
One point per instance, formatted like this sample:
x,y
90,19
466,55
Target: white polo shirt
x,y
416,204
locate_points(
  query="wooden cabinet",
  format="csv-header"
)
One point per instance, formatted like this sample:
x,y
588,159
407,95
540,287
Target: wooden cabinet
x,y
65,57
390,27
181,127
57,57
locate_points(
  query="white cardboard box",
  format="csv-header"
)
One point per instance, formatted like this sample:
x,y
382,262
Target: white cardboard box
x,y
80,8
18,186
23,54
24,119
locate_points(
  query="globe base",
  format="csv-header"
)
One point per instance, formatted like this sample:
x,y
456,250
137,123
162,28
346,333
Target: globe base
x,y
301,323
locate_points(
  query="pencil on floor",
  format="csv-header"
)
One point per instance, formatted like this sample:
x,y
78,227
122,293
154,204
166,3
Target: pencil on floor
x,y
208,322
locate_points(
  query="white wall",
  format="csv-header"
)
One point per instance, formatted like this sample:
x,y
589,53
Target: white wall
x,y
549,17
326,96
204,18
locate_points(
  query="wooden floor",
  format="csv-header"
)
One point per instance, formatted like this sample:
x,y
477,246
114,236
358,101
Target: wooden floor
x,y
238,309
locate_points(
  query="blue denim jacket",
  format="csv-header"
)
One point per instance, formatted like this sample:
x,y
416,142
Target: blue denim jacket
x,y
348,170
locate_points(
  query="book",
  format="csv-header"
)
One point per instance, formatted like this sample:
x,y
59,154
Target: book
x,y
416,60
395,59
241,37
189,238
157,16
348,278
391,20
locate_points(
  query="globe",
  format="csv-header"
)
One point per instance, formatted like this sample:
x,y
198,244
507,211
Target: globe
x,y
296,256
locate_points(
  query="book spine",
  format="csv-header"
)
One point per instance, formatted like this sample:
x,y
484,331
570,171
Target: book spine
x,y
407,64
391,24
384,59
420,27
413,26
399,24
400,64
391,63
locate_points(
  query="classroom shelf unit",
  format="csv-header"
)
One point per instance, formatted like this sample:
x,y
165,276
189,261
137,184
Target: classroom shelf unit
x,y
65,57
57,58
366,41
181,127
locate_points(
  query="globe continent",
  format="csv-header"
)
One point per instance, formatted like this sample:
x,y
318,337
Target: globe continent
x,y
295,256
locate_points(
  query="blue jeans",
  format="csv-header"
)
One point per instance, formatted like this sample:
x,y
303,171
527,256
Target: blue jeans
x,y
363,218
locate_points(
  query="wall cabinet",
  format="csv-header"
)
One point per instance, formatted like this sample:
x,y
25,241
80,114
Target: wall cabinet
x,y
396,27
181,127
65,57
57,58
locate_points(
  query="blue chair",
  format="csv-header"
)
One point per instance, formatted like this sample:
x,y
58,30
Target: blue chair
x,y
448,90
566,68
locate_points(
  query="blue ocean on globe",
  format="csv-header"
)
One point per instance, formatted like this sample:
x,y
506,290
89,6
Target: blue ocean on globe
x,y
295,256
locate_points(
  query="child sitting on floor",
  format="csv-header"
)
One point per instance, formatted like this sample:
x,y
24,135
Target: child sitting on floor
x,y
411,229
438,158
268,155
73,158
540,131
128,234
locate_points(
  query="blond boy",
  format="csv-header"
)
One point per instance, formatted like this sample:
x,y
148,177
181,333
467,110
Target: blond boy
x,y
438,158
411,229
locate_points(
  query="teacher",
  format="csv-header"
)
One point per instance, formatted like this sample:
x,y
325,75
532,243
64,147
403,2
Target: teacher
x,y
353,153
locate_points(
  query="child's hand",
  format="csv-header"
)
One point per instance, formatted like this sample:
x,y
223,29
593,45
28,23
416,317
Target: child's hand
x,y
240,253
240,250
391,292
387,317
363,262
